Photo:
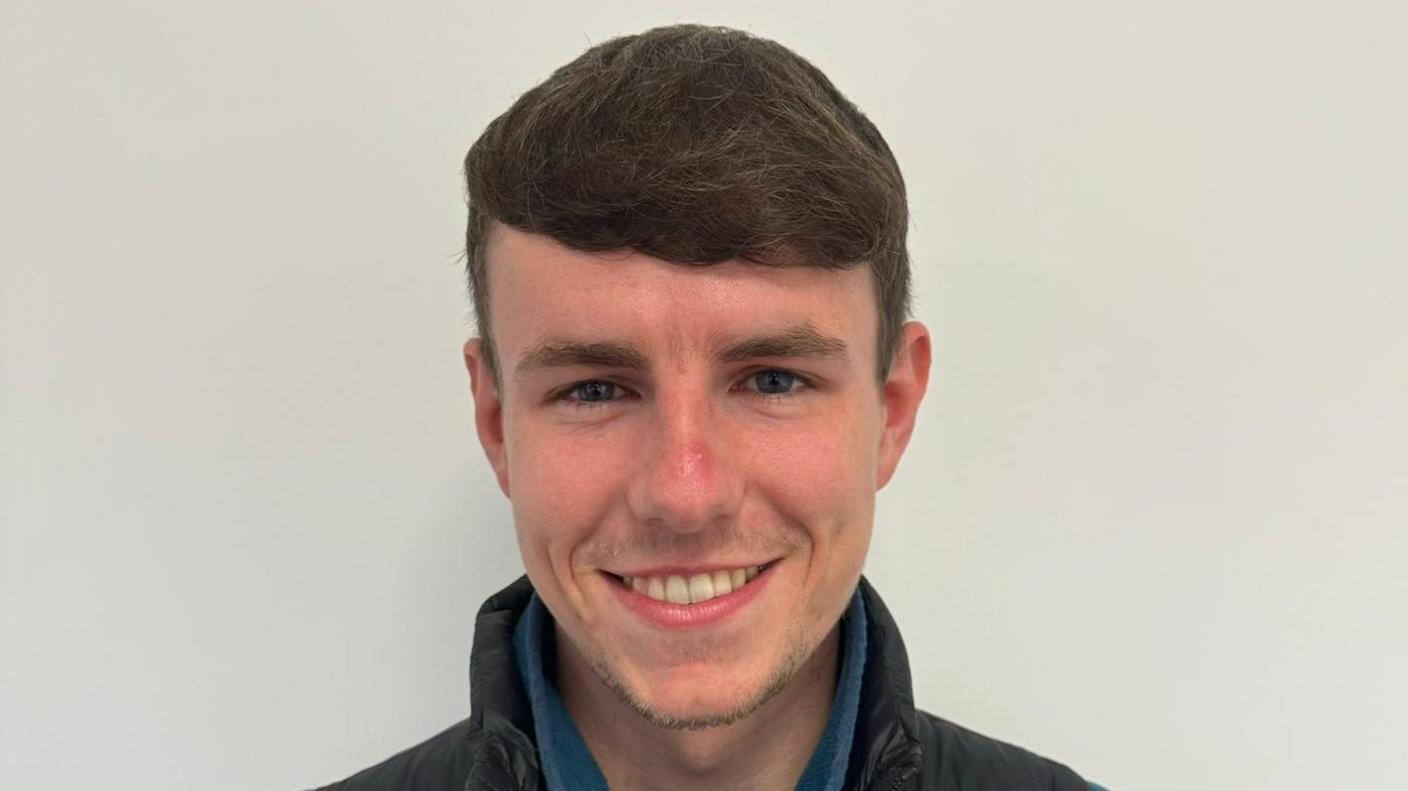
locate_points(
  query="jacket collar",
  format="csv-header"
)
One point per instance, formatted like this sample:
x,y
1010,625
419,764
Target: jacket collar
x,y
504,755
886,746
497,699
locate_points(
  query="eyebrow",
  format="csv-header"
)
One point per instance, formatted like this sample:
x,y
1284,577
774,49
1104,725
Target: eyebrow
x,y
798,341
554,353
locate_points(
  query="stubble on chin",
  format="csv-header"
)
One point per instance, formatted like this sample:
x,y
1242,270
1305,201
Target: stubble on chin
x,y
793,659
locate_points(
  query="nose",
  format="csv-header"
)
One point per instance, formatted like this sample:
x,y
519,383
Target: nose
x,y
687,480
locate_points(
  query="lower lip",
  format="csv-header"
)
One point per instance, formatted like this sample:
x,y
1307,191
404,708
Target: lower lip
x,y
715,611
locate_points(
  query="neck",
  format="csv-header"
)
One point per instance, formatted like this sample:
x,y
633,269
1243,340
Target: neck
x,y
769,749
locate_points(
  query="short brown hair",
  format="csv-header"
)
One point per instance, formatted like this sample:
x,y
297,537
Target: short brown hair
x,y
694,145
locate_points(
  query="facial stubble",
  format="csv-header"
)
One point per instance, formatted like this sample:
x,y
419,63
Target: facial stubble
x,y
795,657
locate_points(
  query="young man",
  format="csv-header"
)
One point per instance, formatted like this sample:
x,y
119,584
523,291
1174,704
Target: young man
x,y
687,256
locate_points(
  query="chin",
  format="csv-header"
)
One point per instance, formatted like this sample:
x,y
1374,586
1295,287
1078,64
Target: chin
x,y
695,712
703,696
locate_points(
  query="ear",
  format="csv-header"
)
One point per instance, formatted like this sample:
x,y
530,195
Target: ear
x,y
900,396
488,410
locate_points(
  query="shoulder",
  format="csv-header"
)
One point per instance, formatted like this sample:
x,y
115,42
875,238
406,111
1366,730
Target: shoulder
x,y
442,761
957,757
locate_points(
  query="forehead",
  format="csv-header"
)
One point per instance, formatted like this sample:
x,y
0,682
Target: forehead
x,y
539,288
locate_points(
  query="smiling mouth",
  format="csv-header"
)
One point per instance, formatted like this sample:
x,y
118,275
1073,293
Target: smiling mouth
x,y
695,588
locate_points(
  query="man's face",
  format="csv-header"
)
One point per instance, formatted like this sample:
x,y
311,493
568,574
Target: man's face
x,y
660,425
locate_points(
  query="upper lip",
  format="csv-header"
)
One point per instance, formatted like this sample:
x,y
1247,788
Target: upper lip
x,y
685,571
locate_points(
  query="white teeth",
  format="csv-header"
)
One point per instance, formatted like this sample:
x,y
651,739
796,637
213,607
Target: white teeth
x,y
722,583
676,590
701,587
693,590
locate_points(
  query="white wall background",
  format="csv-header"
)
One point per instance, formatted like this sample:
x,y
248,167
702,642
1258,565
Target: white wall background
x,y
1153,522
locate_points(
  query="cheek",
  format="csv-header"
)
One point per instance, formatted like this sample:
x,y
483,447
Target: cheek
x,y
563,487
821,476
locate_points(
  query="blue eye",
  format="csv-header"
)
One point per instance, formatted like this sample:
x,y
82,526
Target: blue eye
x,y
593,392
774,382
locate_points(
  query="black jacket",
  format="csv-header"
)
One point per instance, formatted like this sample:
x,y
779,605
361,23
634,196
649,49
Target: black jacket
x,y
896,747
